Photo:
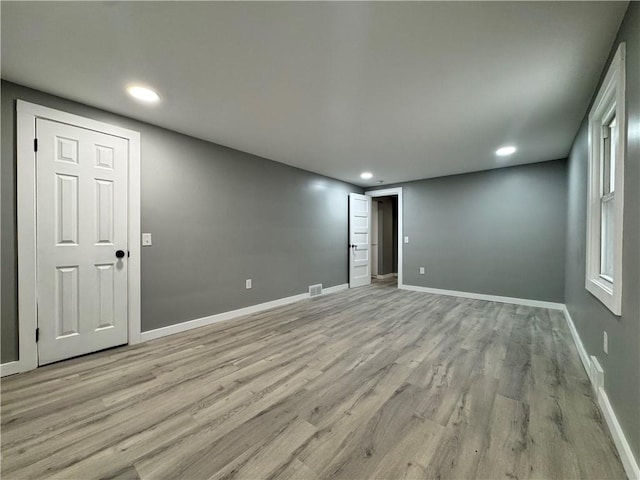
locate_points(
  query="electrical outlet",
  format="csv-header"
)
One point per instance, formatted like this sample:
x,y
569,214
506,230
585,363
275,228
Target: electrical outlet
x,y
421,270
605,342
248,283
406,239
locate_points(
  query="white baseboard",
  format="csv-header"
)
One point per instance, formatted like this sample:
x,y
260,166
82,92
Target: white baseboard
x,y
386,275
221,317
10,368
584,356
337,288
624,449
481,296
596,376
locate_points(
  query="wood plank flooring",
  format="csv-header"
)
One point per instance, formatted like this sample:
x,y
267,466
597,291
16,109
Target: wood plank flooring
x,y
373,382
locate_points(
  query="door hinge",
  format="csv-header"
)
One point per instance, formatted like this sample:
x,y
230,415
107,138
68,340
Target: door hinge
x,y
37,334
35,144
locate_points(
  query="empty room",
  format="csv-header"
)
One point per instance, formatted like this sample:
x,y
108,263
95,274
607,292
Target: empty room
x,y
320,240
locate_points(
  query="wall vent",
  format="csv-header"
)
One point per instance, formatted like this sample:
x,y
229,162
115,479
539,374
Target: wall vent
x,y
596,374
315,290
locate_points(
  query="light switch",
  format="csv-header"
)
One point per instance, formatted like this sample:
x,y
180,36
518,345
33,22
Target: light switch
x,y
146,239
248,283
406,239
421,270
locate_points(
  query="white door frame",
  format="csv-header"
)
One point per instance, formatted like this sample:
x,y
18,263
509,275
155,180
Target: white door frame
x,y
391,192
27,113
374,238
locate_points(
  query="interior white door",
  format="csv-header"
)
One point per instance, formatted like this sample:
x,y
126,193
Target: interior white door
x,y
359,240
81,227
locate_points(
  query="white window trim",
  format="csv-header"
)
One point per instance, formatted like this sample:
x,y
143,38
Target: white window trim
x,y
611,91
27,113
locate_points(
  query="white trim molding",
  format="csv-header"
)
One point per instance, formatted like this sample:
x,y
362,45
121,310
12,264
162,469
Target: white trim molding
x,y
385,276
27,113
609,103
596,376
335,288
224,316
9,368
490,298
629,462
390,192
584,356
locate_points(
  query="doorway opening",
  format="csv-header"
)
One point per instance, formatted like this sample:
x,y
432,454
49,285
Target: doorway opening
x,y
387,235
384,239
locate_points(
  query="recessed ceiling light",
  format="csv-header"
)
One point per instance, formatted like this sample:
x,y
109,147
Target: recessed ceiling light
x,y
505,151
366,175
143,93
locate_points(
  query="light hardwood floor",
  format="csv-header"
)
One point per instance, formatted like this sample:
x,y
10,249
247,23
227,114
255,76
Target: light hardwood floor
x,y
373,382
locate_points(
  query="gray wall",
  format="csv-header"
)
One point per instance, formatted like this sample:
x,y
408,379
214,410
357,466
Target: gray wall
x,y
622,364
218,216
498,232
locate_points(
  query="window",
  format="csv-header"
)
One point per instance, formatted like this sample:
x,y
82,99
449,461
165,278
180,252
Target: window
x,y
607,128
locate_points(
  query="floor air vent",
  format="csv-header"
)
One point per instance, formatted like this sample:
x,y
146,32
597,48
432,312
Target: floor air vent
x,y
315,290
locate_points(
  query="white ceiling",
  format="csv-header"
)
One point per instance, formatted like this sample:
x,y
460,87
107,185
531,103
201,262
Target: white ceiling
x,y
405,90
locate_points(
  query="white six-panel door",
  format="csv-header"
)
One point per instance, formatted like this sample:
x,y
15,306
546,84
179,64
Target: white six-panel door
x,y
359,244
81,223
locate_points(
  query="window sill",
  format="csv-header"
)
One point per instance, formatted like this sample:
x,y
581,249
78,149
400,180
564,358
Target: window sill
x,y
606,293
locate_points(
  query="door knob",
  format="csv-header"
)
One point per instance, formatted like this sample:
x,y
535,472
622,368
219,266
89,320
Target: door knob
x,y
120,253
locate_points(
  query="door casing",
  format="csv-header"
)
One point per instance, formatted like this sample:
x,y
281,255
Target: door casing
x,y
374,239
27,113
390,192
